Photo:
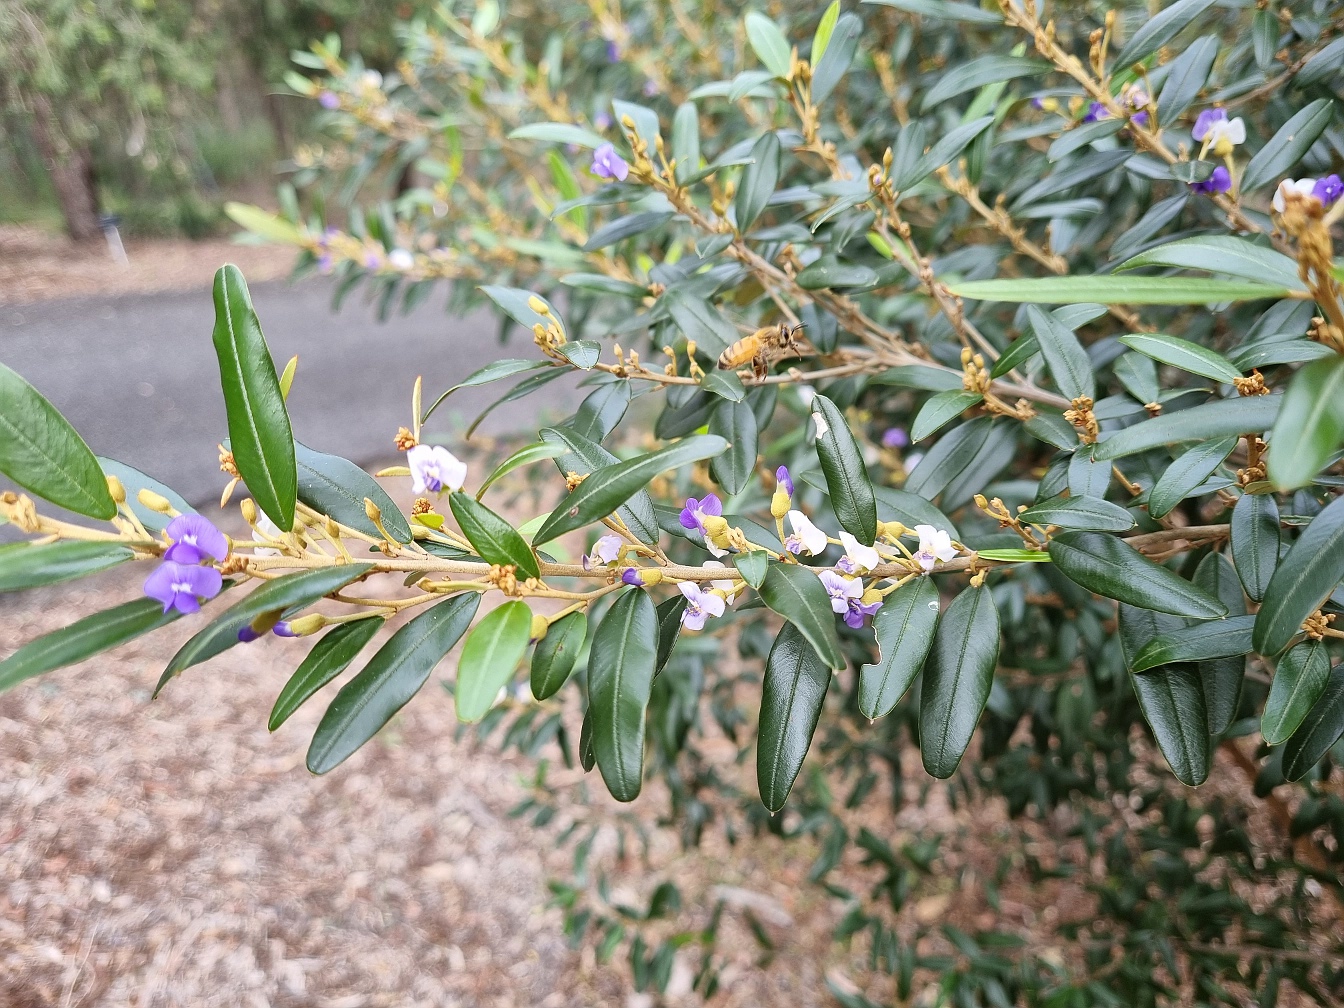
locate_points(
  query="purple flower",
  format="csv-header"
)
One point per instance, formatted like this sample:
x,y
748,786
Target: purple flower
x,y
324,262
1139,118
650,88
435,469
695,512
329,100
1038,104
606,550
282,629
841,590
246,635
783,480
195,538
1328,189
613,52
1096,111
700,605
372,261
602,121
857,612
1205,122
895,437
1219,182
608,164
182,586
631,576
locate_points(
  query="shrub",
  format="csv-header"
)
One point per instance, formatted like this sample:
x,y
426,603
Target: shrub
x,y
1001,385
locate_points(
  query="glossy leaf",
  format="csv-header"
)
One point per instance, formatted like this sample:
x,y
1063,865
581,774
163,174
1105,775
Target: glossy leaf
x,y
957,678
940,409
494,371
1320,729
1088,477
792,694
1183,354
1112,568
904,628
669,628
23,565
1220,418
1228,254
337,487
1157,31
620,677
1187,473
1212,639
724,383
259,431
134,481
1299,681
490,654
758,181
1221,678
797,594
1310,426
831,66
1116,290
1064,355
753,566
493,538
1286,147
910,510
585,457
1309,572
556,654
1171,698
329,657
846,475
1084,513
736,424
601,411
1255,541
583,354
388,682
524,456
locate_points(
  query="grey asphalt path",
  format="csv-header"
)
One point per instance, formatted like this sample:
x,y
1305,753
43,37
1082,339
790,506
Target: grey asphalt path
x,y
137,374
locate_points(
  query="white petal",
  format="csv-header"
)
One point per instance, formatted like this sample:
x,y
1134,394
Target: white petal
x,y
712,604
823,428
691,591
861,555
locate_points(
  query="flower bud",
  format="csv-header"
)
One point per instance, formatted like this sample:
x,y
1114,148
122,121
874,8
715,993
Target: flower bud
x,y
153,501
870,596
715,525
538,305
540,624
249,509
305,625
117,491
651,575
779,504
372,510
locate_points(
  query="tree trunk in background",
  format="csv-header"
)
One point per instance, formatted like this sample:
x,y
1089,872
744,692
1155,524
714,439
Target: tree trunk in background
x,y
71,172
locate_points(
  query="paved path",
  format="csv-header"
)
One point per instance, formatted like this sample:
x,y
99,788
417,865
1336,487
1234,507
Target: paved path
x,y
137,375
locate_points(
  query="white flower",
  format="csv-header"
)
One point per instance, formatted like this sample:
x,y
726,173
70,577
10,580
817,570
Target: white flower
x,y
806,538
401,259
1224,134
725,584
435,469
841,589
700,605
265,531
606,550
934,545
1302,186
860,557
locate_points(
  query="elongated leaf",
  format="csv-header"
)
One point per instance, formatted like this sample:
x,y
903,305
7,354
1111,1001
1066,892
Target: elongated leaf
x,y
626,227
979,72
1021,350
601,411
1255,542
1213,639
825,27
1220,418
1308,573
608,488
1310,426
910,510
669,613
686,139
904,628
758,180
948,10
1187,473
1221,678
517,304
1083,135
337,487
493,371
492,537
1183,354
1188,74
951,456
1064,355
1116,290
920,376
386,684
83,639
829,67
797,594
736,424
1112,568
259,431
1171,698
41,452
524,456
1088,477
329,657
585,457
945,150
846,475
768,43
561,133
939,410
1299,681
555,654
1320,729
753,566
134,481
292,591
583,354
1159,30
1286,147
25,566
793,691
725,384
520,391
1138,374
957,678
490,655
1222,254
620,677
1084,513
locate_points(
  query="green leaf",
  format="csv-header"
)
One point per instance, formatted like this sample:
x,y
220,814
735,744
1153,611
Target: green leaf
x,y
490,655
1306,575
337,487
920,376
524,456
270,226
259,431
585,457
41,452
83,639
1138,374
669,628
1310,426
1087,476
1183,354
23,565
587,758
941,409
1171,698
944,151
1085,513
1082,135
1287,147
753,566
1299,681
583,354
1186,77
1220,418
951,456
797,594
608,488
1320,729
520,391
910,510
828,272
626,227
1113,289
1064,355
292,591
1221,678
493,538
1222,254
829,68
822,36
556,654
904,628
725,384
758,181
1255,541
769,44
1021,350
516,303
1014,555
977,73
386,684
620,679
1159,30
957,679
686,139
946,10
134,481
792,694
1187,473
699,320
1214,639
736,424
561,133
846,476
493,371
601,410
329,657
1112,568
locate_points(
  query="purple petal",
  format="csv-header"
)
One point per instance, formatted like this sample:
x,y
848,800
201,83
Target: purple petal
x,y
711,505
184,553
246,635
784,480
631,576
1206,119
1328,189
159,584
282,629
688,517
203,581
197,530
186,604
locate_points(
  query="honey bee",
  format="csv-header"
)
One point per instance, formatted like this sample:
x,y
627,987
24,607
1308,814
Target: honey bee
x,y
760,348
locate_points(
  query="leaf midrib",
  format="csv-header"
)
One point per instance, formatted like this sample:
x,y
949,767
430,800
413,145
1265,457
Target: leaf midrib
x,y
235,358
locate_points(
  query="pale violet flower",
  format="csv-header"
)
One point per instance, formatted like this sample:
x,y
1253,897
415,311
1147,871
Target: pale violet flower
x,y
435,469
182,586
858,557
608,164
935,545
1302,187
806,538
194,538
725,585
841,590
1328,189
700,606
401,259
606,550
1216,130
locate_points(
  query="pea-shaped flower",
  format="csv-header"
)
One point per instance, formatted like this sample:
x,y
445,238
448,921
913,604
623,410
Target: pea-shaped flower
x,y
194,538
1214,129
435,469
700,606
182,586
608,164
806,538
935,546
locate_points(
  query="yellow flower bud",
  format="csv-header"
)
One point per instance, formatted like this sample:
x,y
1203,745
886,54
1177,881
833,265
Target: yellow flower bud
x,y
153,501
372,510
540,624
306,625
249,509
715,525
538,305
779,504
117,491
650,575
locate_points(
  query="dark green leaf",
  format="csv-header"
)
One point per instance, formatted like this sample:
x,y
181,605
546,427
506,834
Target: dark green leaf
x,y
601,411
524,456
944,151
724,383
834,62
491,372
1186,77
1298,683
337,487
626,227
920,376
1309,572
752,565
686,139
490,655
386,684
1159,30
26,566
1220,418
1064,355
794,689
1220,254
910,510
1084,513
939,410
585,457
1021,350
950,456
1087,476
1081,136
736,424
583,354
797,594
699,320
1213,639
134,481
957,678
1111,567
1138,374
1184,355
259,432
1221,677
1051,427
904,629
826,272
846,475
1310,426
979,72
620,677
1187,473
1255,541
669,628
555,654
1286,147
1171,698
587,758
329,657
1320,729
758,181
493,538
